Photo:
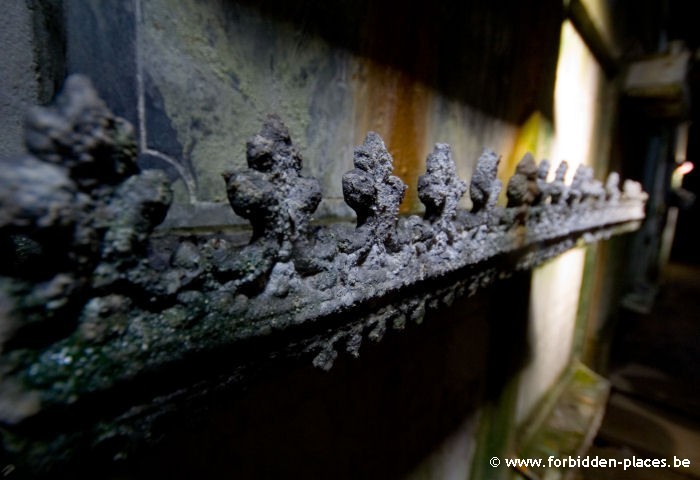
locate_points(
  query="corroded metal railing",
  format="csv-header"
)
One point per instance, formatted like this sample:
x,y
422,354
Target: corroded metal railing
x,y
91,299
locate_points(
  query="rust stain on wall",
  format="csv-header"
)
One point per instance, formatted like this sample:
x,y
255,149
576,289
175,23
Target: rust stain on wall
x,y
396,106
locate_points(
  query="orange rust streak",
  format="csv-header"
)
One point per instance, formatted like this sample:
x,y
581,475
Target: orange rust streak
x,y
408,138
396,107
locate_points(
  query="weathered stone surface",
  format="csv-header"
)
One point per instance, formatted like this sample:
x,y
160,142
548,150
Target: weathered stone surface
x,y
324,94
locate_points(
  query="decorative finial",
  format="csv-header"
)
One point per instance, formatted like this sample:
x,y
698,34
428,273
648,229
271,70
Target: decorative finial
x,y
522,187
81,133
272,194
559,190
584,187
612,187
485,187
373,192
440,189
544,187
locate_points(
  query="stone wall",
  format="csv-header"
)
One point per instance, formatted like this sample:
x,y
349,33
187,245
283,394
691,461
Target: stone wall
x,y
198,77
18,82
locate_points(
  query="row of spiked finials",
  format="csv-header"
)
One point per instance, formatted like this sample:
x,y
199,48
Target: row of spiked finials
x,y
77,214
80,135
278,201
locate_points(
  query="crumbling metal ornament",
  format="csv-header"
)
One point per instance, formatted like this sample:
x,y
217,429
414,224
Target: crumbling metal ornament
x,y
439,188
114,304
75,214
559,191
584,188
485,187
545,188
375,194
80,133
273,195
522,187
